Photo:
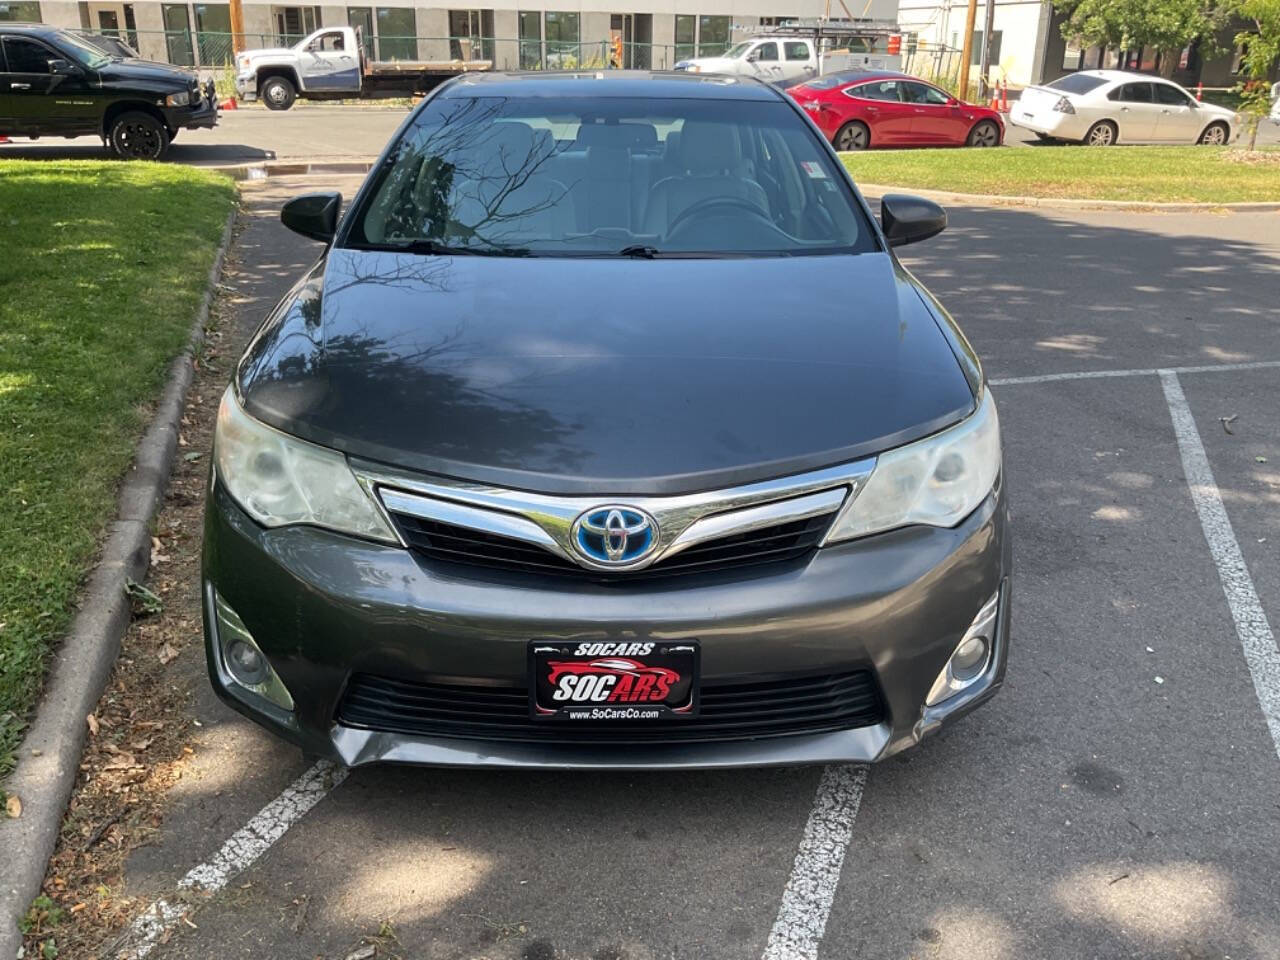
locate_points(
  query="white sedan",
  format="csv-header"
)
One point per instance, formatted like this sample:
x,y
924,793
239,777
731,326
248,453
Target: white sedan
x,y
1102,107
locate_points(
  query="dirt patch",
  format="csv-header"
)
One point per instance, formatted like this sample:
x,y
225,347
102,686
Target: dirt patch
x,y
139,735
1253,158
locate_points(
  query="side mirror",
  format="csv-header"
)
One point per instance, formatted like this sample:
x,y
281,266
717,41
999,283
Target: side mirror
x,y
954,102
906,219
64,68
314,215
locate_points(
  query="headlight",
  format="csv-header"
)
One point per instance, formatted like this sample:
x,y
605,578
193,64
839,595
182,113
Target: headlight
x,y
936,481
281,480
177,100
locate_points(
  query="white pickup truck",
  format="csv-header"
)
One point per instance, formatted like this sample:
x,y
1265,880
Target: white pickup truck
x,y
786,60
329,64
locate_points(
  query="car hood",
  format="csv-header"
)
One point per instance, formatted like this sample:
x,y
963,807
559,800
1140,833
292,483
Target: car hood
x,y
135,70
267,53
605,375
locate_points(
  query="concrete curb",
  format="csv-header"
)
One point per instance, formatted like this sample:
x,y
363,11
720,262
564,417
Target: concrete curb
x,y
49,756
877,190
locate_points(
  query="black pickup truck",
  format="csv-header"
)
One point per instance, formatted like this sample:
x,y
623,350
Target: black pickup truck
x,y
54,84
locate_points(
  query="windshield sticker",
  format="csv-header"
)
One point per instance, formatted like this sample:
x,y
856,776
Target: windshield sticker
x,y
814,170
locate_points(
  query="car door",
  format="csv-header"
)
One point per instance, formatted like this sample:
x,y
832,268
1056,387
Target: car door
x,y
326,65
798,61
879,104
1135,111
764,60
31,82
935,117
1178,120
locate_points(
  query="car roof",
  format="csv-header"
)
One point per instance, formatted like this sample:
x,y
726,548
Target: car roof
x,y
1117,76
610,83
38,29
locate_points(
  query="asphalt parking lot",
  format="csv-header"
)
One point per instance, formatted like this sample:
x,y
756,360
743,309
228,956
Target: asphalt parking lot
x,y
1120,797
253,134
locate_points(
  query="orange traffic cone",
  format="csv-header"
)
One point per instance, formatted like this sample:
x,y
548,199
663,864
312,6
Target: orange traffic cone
x,y
1004,97
229,104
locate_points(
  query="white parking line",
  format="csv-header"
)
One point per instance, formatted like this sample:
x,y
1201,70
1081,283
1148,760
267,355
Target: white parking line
x,y
1103,374
1255,634
806,903
244,847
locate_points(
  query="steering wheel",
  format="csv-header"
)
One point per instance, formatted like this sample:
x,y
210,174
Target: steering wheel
x,y
710,203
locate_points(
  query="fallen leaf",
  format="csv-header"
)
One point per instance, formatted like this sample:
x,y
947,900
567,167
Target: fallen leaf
x,y
1260,459
167,654
13,807
192,457
93,724
364,953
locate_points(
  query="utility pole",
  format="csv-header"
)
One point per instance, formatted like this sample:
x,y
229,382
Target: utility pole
x,y
984,82
967,52
237,26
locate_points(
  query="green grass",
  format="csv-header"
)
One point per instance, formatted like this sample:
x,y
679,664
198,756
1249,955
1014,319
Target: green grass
x,y
1150,174
103,268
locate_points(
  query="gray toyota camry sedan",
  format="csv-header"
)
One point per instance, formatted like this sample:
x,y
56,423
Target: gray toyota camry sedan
x,y
607,431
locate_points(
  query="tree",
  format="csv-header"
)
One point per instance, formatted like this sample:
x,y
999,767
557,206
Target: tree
x,y
1167,25
1261,44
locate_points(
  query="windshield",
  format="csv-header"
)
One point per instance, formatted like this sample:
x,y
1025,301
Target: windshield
x,y
599,176
737,50
82,52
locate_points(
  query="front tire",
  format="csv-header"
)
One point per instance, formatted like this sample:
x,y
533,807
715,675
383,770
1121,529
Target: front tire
x,y
984,134
138,136
278,93
1101,134
852,136
1215,135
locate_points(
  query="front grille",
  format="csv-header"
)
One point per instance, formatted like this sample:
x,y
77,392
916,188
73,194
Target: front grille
x,y
731,711
454,544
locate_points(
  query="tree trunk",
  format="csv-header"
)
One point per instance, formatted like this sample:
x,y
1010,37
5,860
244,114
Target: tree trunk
x,y
1168,61
1253,131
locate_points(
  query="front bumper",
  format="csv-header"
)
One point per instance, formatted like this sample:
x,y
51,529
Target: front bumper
x,y
247,86
323,607
203,114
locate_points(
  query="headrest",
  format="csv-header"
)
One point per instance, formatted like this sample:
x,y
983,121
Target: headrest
x,y
511,144
709,147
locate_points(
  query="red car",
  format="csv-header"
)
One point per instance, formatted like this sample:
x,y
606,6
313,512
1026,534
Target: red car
x,y
857,109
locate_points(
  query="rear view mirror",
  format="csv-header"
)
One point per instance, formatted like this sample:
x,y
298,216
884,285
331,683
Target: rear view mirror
x,y
906,219
314,215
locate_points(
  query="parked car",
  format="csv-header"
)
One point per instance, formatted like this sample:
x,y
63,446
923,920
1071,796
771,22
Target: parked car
x,y
52,83
330,64
787,58
554,458
1105,107
858,109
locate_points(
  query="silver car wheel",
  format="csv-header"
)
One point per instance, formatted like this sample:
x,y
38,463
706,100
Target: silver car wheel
x,y
1215,136
1101,134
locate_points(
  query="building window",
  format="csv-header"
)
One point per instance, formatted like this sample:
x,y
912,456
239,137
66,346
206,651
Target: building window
x,y
213,33
910,43
713,35
294,23
562,40
471,34
397,33
360,19
686,35
20,11
975,56
177,34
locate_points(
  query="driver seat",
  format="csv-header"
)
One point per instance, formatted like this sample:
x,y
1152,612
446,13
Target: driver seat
x,y
711,165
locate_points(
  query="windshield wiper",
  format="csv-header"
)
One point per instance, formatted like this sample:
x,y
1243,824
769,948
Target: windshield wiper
x,y
641,251
430,247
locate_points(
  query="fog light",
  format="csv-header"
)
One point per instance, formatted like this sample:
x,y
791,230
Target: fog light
x,y
243,660
971,658
245,663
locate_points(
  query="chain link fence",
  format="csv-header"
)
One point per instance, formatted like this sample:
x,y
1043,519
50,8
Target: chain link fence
x,y
215,50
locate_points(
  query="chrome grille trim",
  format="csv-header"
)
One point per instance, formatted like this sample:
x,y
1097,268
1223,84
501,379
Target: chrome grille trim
x,y
547,520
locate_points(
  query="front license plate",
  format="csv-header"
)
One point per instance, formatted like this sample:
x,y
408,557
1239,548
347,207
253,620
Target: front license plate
x,y
604,680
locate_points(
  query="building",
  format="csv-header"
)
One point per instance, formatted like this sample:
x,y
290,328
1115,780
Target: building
x,y
1027,44
511,33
